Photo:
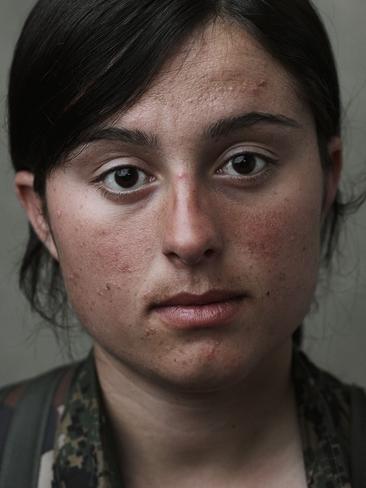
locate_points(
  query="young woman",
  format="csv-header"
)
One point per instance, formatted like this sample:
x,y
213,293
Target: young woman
x,y
179,163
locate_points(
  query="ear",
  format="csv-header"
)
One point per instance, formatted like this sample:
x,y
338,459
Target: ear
x,y
332,173
33,206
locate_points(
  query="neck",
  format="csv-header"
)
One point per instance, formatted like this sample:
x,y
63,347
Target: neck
x,y
170,431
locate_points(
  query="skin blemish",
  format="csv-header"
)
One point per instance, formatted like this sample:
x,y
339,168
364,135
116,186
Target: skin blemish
x,y
259,87
150,332
182,176
125,268
74,277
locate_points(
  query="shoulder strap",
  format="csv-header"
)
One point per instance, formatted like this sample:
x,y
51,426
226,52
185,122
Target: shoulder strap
x,y
22,451
358,433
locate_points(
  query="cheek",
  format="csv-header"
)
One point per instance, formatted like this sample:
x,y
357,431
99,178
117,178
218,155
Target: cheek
x,y
103,262
282,243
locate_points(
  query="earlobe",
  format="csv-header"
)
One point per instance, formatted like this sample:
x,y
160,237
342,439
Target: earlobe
x,y
33,206
332,173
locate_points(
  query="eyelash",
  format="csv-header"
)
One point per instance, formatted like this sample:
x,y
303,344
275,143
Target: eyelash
x,y
255,179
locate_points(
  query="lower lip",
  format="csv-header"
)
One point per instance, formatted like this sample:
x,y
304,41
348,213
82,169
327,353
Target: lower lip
x,y
199,316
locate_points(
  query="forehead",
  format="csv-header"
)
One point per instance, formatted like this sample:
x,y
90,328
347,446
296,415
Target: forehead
x,y
218,70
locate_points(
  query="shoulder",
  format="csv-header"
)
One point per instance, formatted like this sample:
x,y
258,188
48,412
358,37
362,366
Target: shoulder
x,y
12,395
332,416
316,381
329,401
324,381
38,401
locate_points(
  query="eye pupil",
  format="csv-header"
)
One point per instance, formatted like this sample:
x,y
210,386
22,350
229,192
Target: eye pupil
x,y
126,177
244,163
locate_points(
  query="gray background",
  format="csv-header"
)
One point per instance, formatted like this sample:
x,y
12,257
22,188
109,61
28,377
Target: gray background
x,y
335,334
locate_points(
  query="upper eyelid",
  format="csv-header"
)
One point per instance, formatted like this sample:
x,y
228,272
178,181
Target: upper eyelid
x,y
250,148
254,153
224,159
103,173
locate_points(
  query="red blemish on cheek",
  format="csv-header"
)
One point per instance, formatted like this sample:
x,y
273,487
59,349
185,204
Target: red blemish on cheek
x,y
125,268
268,230
150,332
74,277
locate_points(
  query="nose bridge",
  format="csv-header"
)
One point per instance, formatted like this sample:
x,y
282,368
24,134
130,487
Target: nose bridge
x,y
190,232
188,200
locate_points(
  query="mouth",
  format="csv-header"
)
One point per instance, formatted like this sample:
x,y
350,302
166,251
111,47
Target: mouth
x,y
212,309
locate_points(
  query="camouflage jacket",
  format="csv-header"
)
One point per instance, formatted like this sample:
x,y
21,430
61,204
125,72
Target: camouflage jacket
x,y
78,448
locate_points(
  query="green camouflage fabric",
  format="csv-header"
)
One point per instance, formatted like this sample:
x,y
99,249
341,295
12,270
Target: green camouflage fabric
x,y
84,451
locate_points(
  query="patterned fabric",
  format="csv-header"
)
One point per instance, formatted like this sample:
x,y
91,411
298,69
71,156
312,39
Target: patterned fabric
x,y
79,450
8,402
84,454
324,413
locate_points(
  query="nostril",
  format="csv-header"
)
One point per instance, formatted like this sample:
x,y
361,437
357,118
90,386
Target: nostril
x,y
191,258
209,252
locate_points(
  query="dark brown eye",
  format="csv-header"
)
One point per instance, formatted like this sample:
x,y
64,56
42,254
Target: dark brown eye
x,y
245,163
125,179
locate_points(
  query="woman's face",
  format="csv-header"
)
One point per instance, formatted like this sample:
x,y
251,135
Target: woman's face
x,y
214,199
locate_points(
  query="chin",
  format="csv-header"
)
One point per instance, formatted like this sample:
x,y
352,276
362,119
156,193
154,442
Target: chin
x,y
206,367
203,361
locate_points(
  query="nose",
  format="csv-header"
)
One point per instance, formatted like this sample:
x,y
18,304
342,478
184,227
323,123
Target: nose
x,y
191,234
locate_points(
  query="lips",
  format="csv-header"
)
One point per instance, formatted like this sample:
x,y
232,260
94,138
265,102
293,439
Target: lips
x,y
212,296
214,308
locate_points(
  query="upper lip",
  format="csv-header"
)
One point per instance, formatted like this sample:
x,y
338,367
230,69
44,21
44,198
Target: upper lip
x,y
212,296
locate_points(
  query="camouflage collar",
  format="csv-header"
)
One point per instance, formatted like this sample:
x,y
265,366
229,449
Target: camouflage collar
x,y
84,452
323,404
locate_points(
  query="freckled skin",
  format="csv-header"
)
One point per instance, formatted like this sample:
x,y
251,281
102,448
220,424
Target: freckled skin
x,y
117,258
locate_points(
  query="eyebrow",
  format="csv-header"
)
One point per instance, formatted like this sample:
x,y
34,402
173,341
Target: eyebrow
x,y
219,129
223,127
128,136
